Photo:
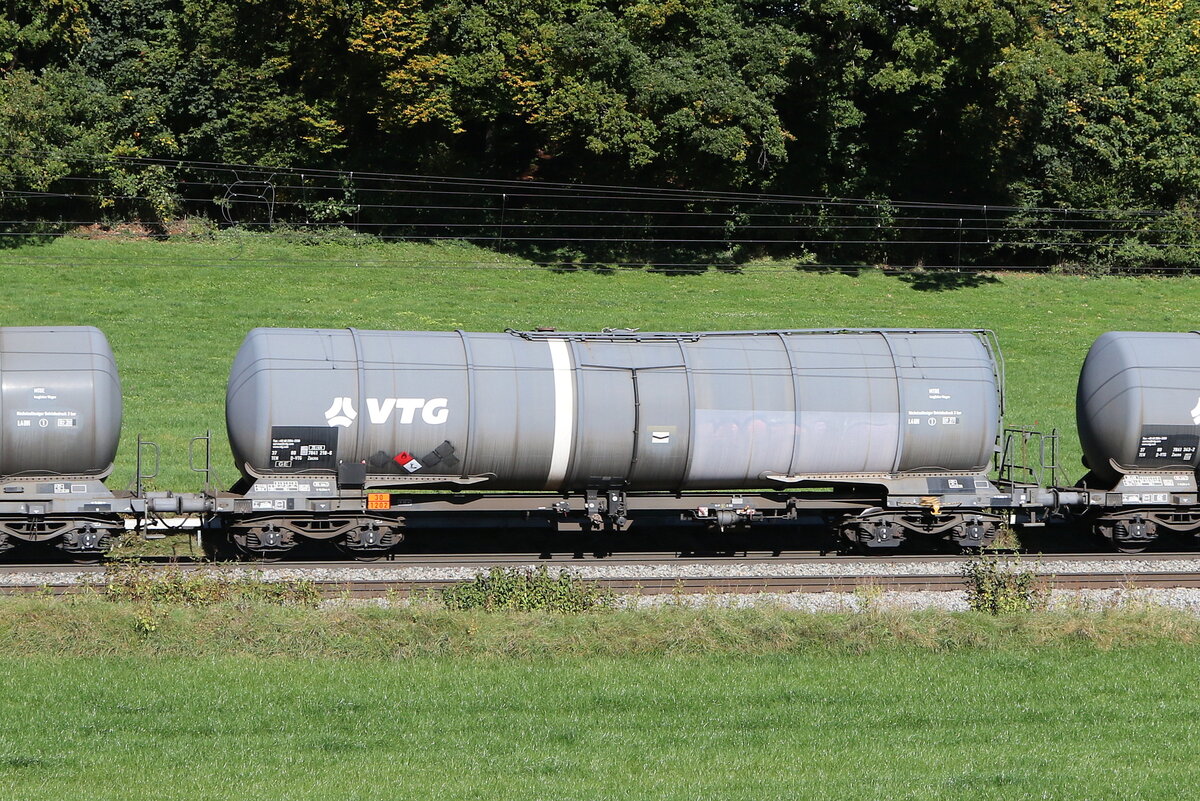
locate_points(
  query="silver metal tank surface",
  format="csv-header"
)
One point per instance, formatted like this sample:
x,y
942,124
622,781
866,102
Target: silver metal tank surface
x,y
638,411
60,402
1138,402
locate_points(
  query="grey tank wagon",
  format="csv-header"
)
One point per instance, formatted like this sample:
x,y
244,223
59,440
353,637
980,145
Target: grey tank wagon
x,y
60,422
351,436
1138,413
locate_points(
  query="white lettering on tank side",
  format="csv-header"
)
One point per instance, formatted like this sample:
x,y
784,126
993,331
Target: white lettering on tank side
x,y
935,393
564,412
436,411
64,418
408,407
379,410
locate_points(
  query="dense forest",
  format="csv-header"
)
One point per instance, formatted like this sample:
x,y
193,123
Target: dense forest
x,y
1029,105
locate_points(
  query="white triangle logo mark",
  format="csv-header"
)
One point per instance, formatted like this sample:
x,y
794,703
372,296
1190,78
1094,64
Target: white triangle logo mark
x,y
341,412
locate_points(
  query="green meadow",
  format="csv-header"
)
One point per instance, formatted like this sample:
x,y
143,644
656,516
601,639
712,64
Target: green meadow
x,y
1069,723
176,312
236,701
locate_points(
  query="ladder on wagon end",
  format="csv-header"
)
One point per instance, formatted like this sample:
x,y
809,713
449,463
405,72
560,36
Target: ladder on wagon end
x,y
1029,457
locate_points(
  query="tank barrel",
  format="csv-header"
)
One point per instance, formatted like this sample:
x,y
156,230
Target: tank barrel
x,y
640,412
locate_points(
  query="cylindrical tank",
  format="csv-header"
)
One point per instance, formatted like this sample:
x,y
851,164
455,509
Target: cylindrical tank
x,y
637,411
60,402
1138,403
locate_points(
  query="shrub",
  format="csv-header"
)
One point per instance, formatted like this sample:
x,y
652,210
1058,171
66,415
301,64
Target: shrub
x,y
524,589
138,582
999,585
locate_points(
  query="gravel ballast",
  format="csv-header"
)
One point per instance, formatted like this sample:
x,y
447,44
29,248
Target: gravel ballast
x,y
655,572
869,598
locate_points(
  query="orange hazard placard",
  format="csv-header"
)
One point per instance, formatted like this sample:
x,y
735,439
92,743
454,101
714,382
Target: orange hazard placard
x,y
379,500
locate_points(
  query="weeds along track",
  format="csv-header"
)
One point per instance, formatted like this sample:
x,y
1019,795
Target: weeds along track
x,y
648,574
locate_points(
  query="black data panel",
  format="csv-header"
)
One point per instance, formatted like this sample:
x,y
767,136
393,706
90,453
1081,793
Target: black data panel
x,y
304,447
1165,445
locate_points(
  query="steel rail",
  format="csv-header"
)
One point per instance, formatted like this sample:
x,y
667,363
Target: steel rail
x,y
401,588
485,560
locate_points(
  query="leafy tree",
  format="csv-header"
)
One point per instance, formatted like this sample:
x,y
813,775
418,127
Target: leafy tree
x,y
1104,109
674,91
1042,104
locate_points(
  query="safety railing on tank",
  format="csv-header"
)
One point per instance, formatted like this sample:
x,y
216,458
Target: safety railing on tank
x,y
1030,457
146,454
205,467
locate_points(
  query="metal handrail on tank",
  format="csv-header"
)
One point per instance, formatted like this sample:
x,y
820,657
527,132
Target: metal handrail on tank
x,y
140,476
1015,463
206,469
638,334
992,343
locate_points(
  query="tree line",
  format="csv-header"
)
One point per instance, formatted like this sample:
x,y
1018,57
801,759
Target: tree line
x,y
1030,105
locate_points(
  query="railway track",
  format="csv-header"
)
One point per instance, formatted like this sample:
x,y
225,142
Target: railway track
x,y
943,583
483,561
940,573
714,585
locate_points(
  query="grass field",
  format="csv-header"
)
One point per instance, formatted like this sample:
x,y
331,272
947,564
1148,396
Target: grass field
x,y
176,312
252,701
889,724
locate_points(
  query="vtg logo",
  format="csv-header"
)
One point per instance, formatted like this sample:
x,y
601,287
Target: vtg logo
x,y
433,411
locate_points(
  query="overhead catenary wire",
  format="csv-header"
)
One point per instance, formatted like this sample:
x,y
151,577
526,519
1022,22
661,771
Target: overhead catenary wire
x,y
954,211
531,218
902,224
544,187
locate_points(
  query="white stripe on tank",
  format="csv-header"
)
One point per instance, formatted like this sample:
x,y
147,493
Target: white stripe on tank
x,y
564,412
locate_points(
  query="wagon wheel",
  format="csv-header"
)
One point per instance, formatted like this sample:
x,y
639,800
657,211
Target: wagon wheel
x,y
1119,530
265,543
371,542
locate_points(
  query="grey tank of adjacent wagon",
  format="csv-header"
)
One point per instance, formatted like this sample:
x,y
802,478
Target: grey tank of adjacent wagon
x,y
60,402
636,411
1138,404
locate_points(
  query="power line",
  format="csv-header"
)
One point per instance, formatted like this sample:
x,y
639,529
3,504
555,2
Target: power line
x,y
616,226
544,187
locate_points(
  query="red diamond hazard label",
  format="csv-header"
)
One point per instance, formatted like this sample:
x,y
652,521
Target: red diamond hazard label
x,y
406,460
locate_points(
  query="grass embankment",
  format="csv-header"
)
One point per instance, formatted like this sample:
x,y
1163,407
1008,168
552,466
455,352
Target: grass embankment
x,y
250,702
91,628
176,312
